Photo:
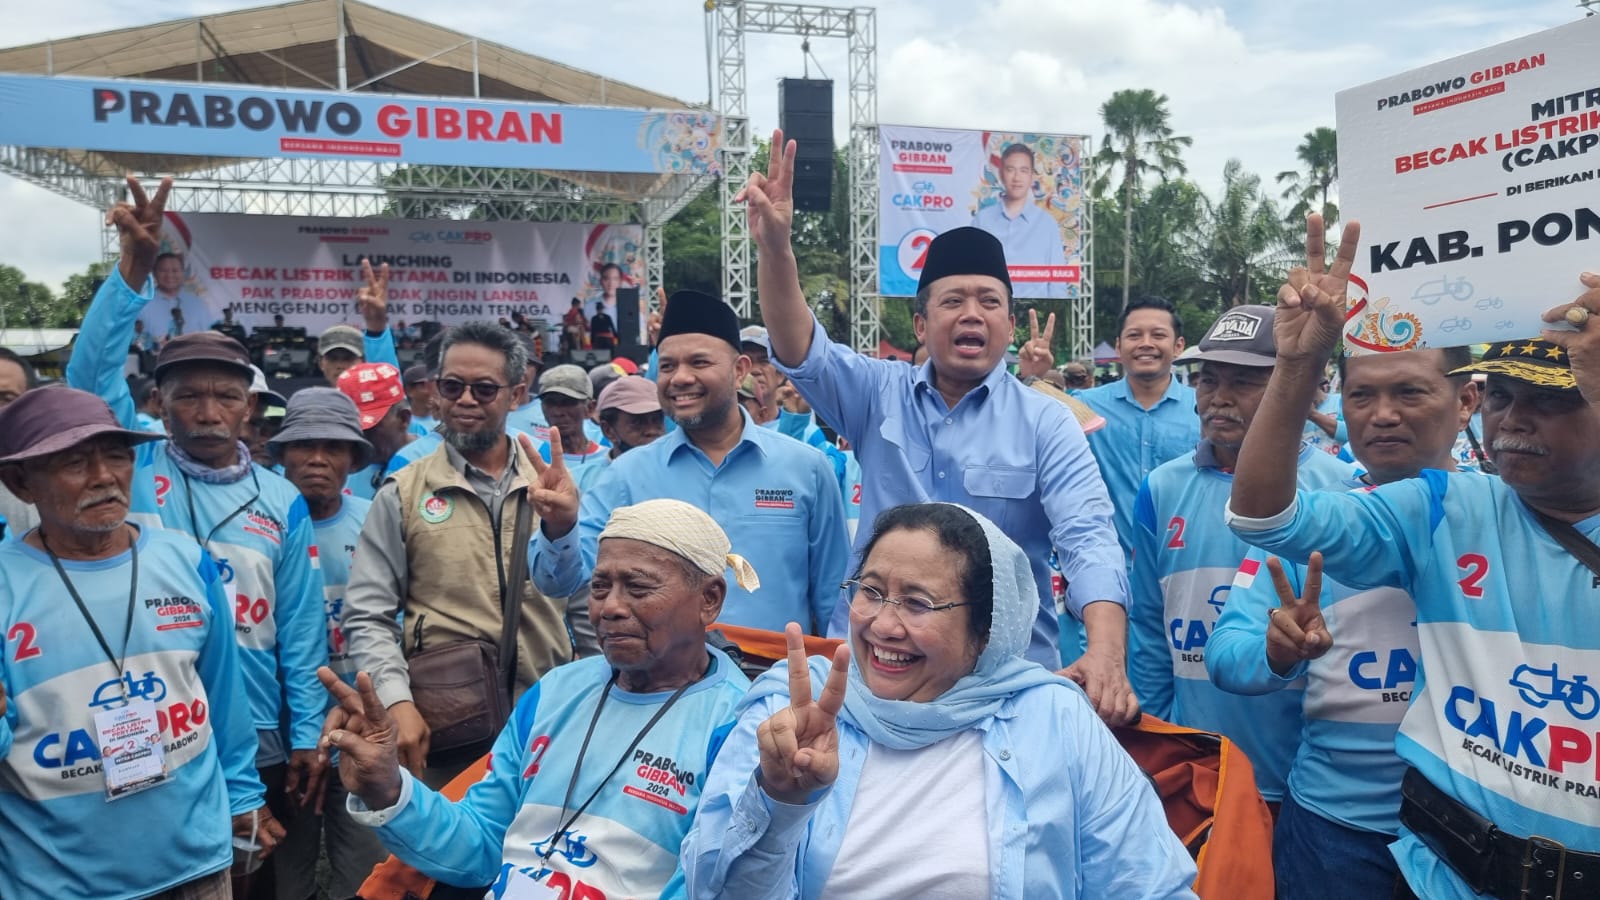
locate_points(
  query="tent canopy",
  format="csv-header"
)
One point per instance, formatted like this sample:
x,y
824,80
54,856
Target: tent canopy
x,y
1105,354
297,46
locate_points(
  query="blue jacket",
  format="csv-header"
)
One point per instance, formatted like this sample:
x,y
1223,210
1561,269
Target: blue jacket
x,y
1070,814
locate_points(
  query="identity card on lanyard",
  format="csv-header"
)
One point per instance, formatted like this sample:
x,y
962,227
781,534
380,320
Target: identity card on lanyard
x,y
131,752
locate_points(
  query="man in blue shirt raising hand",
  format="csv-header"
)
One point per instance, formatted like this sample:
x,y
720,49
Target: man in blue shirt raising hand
x,y
959,428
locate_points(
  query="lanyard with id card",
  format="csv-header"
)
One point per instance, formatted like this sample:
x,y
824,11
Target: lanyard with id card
x,y
128,735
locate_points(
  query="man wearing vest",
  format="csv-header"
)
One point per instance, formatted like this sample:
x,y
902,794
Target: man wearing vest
x,y
440,545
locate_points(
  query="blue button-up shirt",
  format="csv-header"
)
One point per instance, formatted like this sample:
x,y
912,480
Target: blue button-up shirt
x,y
1030,238
1137,440
1011,453
776,498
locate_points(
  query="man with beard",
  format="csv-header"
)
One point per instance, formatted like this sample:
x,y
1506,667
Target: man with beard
x,y
1499,799
440,545
1184,559
203,482
777,498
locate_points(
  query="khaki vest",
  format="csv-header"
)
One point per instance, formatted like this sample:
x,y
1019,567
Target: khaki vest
x,y
450,556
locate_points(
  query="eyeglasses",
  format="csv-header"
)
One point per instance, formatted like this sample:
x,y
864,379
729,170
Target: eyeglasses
x,y
867,601
482,391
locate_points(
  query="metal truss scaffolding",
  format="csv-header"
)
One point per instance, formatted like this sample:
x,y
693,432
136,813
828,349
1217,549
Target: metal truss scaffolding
x,y
858,25
1082,310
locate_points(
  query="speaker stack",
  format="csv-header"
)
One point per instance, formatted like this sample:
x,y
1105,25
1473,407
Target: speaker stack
x,y
805,113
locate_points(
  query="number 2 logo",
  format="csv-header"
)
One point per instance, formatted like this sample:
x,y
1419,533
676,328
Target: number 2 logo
x,y
1175,529
25,636
1476,566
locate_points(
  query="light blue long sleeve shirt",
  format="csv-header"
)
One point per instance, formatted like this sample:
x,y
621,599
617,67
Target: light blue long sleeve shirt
x,y
1502,717
1136,440
626,842
379,348
1184,564
1030,238
59,837
258,529
1008,452
1069,813
337,538
777,499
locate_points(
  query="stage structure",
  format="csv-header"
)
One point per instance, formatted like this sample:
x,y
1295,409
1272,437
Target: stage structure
x,y
859,26
330,48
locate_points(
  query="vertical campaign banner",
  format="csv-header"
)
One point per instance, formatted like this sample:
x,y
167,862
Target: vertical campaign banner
x,y
1026,189
1473,180
308,270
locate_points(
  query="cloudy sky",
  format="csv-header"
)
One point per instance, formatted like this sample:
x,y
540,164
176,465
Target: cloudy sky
x,y
1245,78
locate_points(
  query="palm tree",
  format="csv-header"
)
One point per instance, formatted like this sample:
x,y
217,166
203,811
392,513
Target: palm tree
x,y
1242,240
1139,141
1309,189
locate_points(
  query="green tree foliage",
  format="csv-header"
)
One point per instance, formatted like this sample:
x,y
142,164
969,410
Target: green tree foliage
x,y
1310,188
30,304
1139,143
1243,244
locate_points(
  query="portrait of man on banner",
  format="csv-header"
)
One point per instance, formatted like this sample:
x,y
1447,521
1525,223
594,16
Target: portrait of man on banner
x,y
1027,230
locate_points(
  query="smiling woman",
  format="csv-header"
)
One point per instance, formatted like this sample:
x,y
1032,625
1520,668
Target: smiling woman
x,y
933,681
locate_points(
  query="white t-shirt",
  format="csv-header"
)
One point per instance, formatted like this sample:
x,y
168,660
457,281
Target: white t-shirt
x,y
913,835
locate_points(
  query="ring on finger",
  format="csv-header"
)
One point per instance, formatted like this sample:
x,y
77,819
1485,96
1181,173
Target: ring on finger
x,y
1578,316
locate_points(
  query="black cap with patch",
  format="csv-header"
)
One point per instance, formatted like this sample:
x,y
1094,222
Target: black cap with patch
x,y
1241,336
964,251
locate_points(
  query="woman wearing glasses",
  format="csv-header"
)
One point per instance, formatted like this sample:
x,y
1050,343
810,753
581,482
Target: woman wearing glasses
x,y
935,761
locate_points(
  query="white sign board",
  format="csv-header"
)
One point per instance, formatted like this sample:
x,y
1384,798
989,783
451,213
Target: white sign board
x,y
1474,182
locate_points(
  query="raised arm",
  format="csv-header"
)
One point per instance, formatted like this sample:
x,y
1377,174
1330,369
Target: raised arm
x,y
769,198
1308,324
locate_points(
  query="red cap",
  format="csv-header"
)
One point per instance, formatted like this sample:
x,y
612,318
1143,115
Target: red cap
x,y
375,387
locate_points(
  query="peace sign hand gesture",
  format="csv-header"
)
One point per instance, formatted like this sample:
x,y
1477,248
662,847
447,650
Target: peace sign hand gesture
x,y
372,298
554,494
800,743
139,231
1311,306
769,198
1296,630
1035,357
360,728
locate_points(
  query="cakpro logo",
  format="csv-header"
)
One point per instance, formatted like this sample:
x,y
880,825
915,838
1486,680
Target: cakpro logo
x,y
1524,734
923,195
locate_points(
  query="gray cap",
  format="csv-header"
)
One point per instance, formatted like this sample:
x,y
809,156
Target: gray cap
x,y
322,414
755,334
568,381
342,337
1242,336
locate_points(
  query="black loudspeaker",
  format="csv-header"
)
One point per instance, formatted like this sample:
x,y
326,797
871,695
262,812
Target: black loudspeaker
x,y
805,113
627,315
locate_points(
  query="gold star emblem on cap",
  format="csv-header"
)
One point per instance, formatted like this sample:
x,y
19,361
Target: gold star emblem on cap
x,y
1529,349
1554,353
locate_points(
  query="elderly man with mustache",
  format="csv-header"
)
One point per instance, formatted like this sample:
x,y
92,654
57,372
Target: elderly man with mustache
x,y
127,712
1184,559
202,483
1500,799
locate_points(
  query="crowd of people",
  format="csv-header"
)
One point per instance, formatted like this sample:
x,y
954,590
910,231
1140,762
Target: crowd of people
x,y
250,639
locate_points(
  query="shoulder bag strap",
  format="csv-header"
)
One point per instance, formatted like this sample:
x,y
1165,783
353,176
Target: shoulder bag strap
x,y
511,600
1573,540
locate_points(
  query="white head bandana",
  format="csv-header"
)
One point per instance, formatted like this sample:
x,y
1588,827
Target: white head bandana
x,y
685,530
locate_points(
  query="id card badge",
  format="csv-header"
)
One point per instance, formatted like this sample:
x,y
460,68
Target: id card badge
x,y
131,752
519,886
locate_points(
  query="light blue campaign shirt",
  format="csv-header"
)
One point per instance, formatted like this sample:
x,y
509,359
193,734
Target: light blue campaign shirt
x,y
1502,717
1136,440
337,537
1030,238
1184,563
626,842
777,499
1346,769
1008,452
58,835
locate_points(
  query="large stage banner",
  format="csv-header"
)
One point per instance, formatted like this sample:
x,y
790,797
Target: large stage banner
x,y
1026,189
198,119
308,270
1473,180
